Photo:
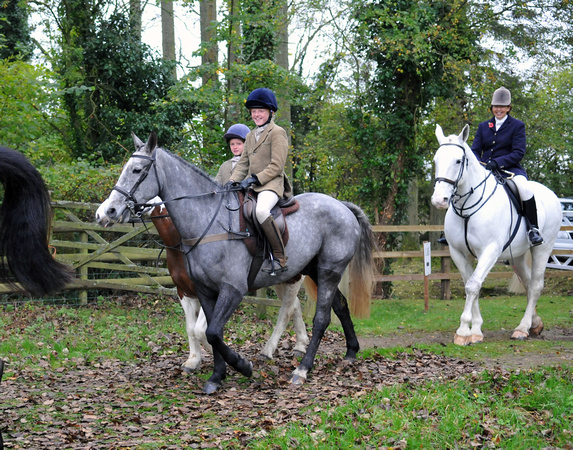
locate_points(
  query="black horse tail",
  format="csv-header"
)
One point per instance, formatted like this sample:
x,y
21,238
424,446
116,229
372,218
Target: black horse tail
x,y
361,268
25,219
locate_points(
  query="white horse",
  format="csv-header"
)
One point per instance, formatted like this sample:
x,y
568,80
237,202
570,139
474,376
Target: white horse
x,y
481,222
195,320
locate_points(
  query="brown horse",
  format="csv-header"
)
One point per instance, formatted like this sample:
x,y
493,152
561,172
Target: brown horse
x,y
195,320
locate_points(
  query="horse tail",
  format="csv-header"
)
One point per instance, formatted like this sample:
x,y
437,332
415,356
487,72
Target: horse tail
x,y
361,268
25,219
310,288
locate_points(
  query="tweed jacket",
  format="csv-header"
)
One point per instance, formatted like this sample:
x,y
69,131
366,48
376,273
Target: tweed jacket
x,y
505,146
224,173
266,159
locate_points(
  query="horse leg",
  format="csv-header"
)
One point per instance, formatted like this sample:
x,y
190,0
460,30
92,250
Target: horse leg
x,y
340,307
327,287
218,314
290,307
469,331
199,331
533,281
191,308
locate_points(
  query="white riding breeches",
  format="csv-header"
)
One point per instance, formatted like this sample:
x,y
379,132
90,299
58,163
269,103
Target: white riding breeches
x,y
522,184
266,200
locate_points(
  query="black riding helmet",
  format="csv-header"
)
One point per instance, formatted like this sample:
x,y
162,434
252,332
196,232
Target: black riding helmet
x,y
262,98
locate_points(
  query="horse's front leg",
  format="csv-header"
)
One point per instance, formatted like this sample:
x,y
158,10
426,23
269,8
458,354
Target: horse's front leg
x,y
469,331
217,317
191,308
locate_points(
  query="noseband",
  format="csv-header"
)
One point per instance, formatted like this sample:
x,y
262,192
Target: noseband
x,y
455,182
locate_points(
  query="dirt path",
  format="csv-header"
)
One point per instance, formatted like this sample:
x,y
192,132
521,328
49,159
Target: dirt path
x,y
556,354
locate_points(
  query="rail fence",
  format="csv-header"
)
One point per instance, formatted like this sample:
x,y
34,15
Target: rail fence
x,y
129,257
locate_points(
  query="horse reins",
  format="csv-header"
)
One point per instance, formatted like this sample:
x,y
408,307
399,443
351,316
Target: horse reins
x,y
480,201
136,209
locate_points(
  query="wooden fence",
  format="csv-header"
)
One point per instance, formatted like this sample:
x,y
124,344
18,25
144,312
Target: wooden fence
x,y
129,257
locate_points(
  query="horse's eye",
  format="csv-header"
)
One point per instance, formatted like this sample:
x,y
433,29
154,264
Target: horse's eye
x,y
459,161
136,171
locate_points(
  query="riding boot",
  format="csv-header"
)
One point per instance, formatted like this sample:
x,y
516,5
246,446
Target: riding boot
x,y
530,210
278,259
442,239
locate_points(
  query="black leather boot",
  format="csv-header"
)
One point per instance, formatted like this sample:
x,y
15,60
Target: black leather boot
x,y
530,210
278,260
442,239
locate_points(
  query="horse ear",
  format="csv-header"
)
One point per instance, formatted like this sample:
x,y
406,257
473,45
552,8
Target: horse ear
x,y
439,133
465,133
136,141
151,142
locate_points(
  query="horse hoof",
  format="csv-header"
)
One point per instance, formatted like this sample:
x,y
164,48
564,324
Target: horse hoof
x,y
462,340
190,369
247,369
476,339
297,380
537,330
211,388
263,357
519,335
298,353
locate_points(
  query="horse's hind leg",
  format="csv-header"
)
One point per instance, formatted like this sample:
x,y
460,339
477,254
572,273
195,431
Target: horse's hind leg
x,y
290,307
327,289
340,308
533,280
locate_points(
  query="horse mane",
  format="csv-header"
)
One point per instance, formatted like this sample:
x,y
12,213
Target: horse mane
x,y
193,167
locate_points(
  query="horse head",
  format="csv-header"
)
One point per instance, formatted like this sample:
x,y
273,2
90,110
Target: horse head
x,y
450,161
102,218
137,184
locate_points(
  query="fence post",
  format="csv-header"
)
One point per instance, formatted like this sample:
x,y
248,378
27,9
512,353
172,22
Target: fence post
x,y
83,295
445,264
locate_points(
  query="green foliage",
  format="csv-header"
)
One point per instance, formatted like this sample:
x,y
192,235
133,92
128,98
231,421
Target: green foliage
x,y
79,180
420,51
29,114
15,38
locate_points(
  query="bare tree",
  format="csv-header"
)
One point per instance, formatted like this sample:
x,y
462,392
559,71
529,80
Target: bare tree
x,y
168,33
208,14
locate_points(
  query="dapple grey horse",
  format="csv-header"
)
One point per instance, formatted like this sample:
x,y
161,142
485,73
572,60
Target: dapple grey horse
x,y
326,237
195,320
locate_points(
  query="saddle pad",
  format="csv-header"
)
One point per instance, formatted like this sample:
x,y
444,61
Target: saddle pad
x,y
256,241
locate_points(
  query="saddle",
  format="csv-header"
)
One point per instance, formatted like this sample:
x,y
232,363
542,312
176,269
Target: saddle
x,y
249,223
513,194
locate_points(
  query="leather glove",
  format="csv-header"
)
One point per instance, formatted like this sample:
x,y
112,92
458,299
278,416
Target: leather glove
x,y
230,185
251,180
492,165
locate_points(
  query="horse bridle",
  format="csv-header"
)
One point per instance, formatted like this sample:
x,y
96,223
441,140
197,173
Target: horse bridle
x,y
137,208
464,164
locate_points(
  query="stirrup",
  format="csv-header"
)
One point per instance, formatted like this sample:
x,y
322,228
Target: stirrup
x,y
273,270
534,237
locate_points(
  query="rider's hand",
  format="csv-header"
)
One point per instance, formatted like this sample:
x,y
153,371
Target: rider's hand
x,y
251,180
229,185
492,165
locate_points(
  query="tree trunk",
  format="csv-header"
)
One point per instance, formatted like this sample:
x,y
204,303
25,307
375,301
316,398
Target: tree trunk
x,y
135,15
168,33
233,113
208,14
284,113
412,239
